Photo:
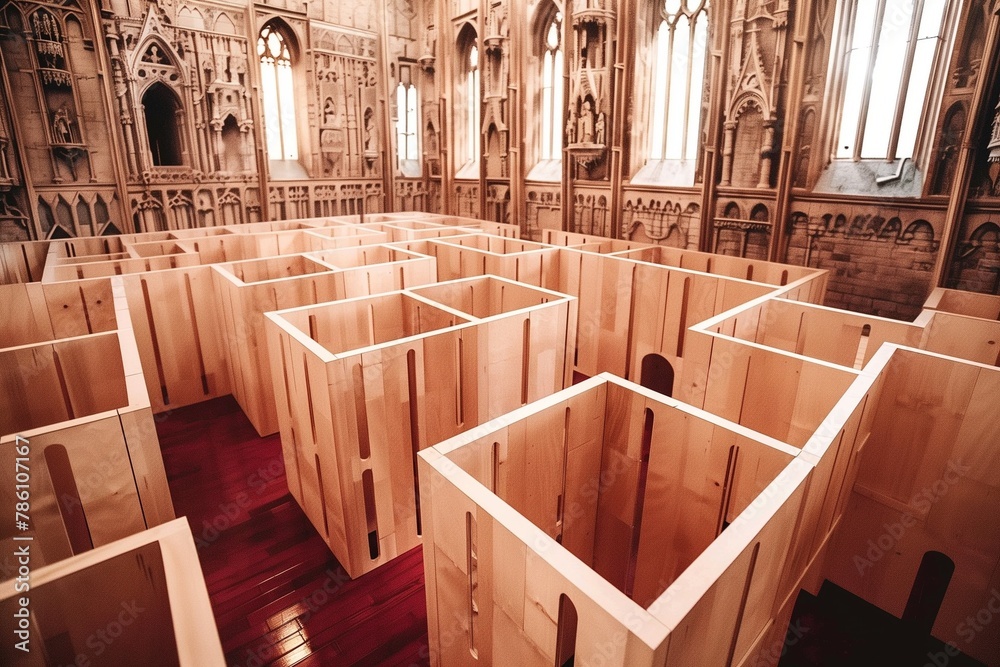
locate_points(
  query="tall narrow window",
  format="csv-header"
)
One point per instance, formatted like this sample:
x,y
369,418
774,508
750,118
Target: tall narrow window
x,y
467,119
552,91
278,93
890,52
679,79
406,122
472,109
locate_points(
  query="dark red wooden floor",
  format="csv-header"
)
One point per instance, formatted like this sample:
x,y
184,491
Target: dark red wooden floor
x,y
279,596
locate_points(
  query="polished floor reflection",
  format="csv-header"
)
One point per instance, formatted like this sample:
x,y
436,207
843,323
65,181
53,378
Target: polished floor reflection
x,y
279,596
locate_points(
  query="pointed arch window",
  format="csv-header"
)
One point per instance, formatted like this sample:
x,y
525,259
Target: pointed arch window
x,y
552,91
407,124
679,54
888,59
278,92
163,111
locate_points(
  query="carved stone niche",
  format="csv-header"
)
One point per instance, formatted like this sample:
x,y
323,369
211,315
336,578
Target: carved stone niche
x,y
588,115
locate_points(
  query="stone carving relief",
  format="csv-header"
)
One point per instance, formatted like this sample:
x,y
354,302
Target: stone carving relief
x,y
742,231
757,43
977,257
543,211
651,218
591,214
495,71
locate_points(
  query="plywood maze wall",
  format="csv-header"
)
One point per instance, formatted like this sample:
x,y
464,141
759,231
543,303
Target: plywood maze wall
x,y
621,453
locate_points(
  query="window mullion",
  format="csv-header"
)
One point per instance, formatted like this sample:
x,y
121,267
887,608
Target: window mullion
x,y
866,95
904,80
671,30
687,85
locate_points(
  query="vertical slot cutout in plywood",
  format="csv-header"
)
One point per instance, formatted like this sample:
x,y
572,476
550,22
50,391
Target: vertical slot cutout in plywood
x,y
368,489
495,476
63,386
156,345
727,489
361,412
682,320
197,338
472,565
525,357
459,394
309,397
67,495
322,497
640,498
561,502
411,389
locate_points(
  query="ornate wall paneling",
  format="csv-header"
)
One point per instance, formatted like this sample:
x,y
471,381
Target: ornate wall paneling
x,y
544,210
467,199
976,262
663,218
495,67
54,72
974,172
79,212
183,82
430,110
358,15
16,221
809,157
61,59
158,105
758,33
964,72
351,138
591,212
742,228
183,206
410,195
303,199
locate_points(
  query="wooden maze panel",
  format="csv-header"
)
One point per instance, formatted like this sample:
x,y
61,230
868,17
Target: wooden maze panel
x,y
403,371
48,383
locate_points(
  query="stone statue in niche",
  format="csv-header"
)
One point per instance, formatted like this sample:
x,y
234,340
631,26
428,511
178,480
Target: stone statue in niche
x,y
599,129
586,123
329,112
370,136
62,131
571,127
45,27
